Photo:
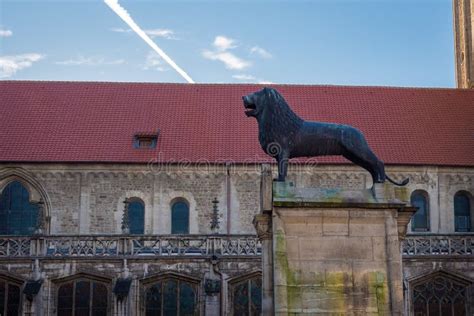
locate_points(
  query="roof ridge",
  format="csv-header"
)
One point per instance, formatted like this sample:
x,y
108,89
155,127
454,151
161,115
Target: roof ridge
x,y
303,85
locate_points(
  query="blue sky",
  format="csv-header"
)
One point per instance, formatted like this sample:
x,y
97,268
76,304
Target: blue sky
x,y
395,43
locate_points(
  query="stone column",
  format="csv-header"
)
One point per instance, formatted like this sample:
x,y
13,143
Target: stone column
x,y
125,218
84,209
41,219
212,289
263,226
394,253
337,251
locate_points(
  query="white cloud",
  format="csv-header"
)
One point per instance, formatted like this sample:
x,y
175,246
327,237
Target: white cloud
x,y
89,61
221,53
6,33
222,43
120,30
230,60
260,52
251,78
153,61
163,33
9,65
243,77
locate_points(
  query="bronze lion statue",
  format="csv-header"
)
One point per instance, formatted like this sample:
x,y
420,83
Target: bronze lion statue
x,y
284,135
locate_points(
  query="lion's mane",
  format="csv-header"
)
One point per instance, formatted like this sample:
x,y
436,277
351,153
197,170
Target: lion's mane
x,y
279,123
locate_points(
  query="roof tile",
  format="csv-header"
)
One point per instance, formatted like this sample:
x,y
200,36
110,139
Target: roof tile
x,y
96,121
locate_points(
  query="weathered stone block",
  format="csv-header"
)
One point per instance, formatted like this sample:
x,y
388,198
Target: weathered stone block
x,y
367,224
351,268
336,248
379,248
311,226
336,225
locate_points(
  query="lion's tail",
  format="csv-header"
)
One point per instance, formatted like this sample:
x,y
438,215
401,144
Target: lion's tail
x,y
400,184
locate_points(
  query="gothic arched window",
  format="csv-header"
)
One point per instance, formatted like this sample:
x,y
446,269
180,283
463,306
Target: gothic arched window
x,y
18,216
420,221
136,215
171,296
180,218
246,296
9,298
440,295
462,212
82,297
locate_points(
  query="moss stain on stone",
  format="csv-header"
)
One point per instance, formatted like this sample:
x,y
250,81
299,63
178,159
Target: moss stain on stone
x,y
333,284
336,289
402,194
378,287
292,288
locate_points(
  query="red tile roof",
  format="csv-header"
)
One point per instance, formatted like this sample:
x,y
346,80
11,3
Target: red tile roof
x,y
96,122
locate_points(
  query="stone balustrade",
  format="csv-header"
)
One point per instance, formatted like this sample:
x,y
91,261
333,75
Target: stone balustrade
x,y
144,246
425,245
128,246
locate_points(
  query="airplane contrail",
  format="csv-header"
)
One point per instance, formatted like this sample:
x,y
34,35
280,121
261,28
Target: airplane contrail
x,y
122,13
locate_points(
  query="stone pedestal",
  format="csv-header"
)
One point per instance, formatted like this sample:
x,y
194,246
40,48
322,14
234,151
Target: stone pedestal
x,y
335,251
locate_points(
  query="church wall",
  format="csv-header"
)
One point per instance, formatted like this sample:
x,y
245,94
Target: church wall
x,y
414,268
89,198
426,269
64,191
450,183
53,272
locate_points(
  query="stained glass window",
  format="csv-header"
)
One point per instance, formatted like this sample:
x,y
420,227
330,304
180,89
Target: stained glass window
x,y
187,299
439,296
462,212
99,295
170,297
420,221
17,215
180,218
65,299
153,300
9,298
82,298
136,216
247,297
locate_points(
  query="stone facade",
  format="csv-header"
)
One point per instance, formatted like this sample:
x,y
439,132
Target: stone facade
x,y
87,200
90,199
54,272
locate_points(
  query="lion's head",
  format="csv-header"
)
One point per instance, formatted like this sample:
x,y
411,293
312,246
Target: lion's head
x,y
274,116
253,106
260,102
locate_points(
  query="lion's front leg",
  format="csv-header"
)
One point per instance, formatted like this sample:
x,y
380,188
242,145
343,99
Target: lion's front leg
x,y
282,160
